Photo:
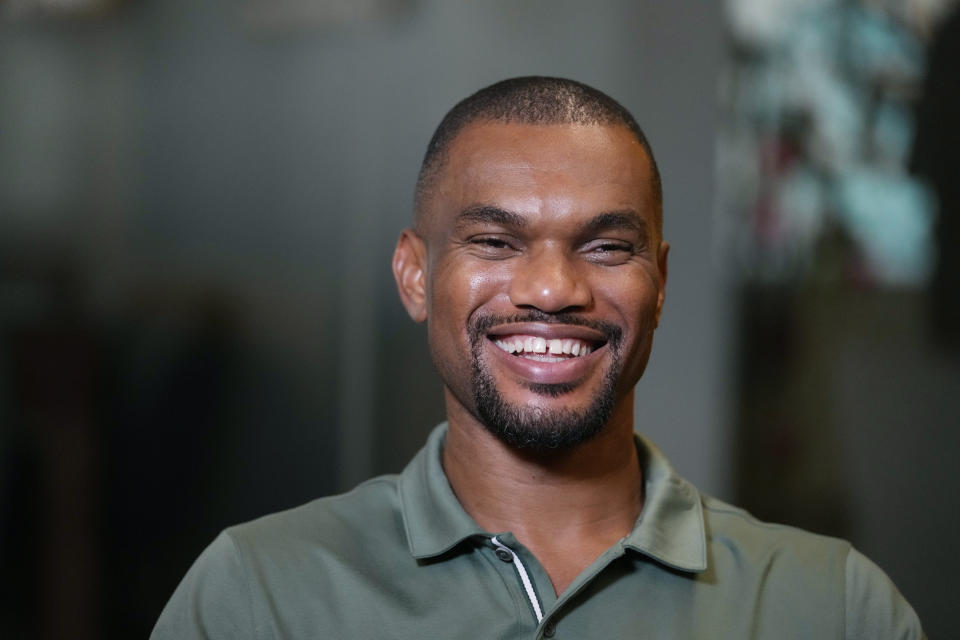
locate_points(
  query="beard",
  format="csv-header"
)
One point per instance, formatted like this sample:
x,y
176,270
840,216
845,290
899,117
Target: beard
x,y
534,428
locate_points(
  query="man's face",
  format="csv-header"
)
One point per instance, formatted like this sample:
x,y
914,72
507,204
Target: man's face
x,y
544,277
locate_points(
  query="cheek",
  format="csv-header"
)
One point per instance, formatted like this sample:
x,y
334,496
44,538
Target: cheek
x,y
632,299
634,293
455,294
459,289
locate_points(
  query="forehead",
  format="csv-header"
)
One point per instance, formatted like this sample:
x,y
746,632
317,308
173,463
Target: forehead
x,y
544,170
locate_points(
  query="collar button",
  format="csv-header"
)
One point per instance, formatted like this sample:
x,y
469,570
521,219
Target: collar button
x,y
504,555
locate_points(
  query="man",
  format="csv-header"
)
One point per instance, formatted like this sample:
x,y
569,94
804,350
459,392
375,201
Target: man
x,y
537,261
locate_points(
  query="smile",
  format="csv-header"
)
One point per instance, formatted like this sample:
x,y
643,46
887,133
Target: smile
x,y
543,349
548,352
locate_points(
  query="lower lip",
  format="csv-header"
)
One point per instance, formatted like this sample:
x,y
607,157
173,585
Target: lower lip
x,y
537,371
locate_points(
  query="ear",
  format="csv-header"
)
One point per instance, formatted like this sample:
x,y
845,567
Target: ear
x,y
662,267
409,270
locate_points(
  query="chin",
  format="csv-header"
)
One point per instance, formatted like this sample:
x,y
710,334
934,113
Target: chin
x,y
541,426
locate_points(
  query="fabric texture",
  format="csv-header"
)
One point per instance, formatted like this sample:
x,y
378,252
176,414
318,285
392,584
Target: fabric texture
x,y
398,557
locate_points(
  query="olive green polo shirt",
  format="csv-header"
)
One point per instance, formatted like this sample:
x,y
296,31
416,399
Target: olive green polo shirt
x,y
398,557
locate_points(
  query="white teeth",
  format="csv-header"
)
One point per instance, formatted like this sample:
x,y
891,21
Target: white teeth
x,y
542,348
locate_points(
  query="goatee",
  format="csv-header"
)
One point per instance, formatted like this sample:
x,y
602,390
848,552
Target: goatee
x,y
534,428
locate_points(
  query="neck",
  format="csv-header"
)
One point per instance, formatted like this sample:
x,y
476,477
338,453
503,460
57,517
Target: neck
x,y
585,498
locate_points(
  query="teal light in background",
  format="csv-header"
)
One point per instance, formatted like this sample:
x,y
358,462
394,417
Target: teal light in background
x,y
817,128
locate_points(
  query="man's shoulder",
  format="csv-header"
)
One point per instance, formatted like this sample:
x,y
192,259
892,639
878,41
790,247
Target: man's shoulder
x,y
737,529
817,571
343,520
741,543
309,558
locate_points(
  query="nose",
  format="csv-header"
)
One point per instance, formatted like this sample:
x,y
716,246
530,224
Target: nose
x,y
550,281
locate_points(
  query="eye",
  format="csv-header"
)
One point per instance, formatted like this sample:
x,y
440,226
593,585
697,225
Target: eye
x,y
609,247
492,243
608,251
493,247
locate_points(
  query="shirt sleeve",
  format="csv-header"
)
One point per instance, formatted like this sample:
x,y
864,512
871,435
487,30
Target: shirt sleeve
x,y
874,607
213,599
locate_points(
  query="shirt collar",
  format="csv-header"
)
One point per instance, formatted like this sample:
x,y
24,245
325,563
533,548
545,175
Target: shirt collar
x,y
434,520
669,529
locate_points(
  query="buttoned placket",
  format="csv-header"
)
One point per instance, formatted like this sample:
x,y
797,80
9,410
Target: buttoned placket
x,y
534,585
510,552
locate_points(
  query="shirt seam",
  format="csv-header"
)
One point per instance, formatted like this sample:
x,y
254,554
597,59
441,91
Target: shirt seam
x,y
246,581
751,519
384,479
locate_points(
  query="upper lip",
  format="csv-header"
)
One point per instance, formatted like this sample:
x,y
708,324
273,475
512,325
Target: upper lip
x,y
548,331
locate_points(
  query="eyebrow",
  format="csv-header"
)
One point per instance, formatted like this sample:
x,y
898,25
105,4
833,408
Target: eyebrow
x,y
626,220
483,213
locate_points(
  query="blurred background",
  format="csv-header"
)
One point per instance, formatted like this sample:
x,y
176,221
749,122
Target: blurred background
x,y
198,203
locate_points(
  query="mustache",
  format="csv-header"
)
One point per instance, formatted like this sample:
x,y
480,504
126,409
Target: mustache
x,y
482,324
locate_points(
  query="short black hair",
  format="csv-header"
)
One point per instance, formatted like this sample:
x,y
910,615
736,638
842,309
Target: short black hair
x,y
530,100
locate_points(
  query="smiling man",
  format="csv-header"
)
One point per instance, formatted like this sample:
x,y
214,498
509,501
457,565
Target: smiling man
x,y
537,261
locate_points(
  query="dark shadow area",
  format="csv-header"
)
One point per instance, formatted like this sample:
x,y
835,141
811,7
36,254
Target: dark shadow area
x,y
129,443
934,158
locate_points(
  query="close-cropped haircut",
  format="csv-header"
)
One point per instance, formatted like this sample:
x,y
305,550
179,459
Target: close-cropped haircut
x,y
533,100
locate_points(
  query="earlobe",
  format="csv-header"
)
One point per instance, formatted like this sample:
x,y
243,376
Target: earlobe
x,y
409,270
